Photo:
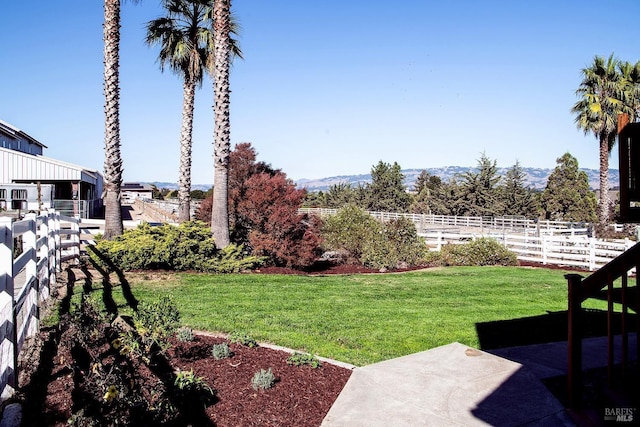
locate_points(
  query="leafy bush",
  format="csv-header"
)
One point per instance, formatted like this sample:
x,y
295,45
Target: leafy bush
x,y
188,246
155,322
397,245
243,339
111,392
349,230
221,351
263,212
483,251
392,244
299,359
263,380
277,231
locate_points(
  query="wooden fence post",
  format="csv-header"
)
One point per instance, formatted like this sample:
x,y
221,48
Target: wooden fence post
x,y
51,247
75,237
56,239
29,244
7,321
592,253
44,277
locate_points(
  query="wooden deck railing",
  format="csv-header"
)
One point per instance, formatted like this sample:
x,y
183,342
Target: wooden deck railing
x,y
581,289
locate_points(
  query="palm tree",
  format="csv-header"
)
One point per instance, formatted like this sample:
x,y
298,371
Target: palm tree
x,y
601,100
222,140
631,87
186,44
112,159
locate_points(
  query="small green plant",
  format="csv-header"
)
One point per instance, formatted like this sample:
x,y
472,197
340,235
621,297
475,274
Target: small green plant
x,y
185,334
299,359
242,338
156,321
191,388
221,351
263,380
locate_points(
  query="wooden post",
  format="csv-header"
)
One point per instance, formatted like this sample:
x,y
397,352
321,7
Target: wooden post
x,y
8,379
623,120
574,340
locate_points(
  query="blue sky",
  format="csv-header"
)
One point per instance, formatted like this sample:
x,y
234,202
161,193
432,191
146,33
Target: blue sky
x,y
327,87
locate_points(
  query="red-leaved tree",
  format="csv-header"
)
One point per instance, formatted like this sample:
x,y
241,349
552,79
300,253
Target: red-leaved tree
x,y
277,230
263,212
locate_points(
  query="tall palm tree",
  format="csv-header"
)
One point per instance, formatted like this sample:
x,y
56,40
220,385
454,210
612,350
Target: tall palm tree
x,y
631,87
222,140
112,159
186,44
601,101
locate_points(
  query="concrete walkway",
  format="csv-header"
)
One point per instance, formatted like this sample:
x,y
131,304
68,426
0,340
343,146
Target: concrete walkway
x,y
455,385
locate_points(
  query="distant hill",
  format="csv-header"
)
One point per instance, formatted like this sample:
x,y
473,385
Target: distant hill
x,y
174,186
536,178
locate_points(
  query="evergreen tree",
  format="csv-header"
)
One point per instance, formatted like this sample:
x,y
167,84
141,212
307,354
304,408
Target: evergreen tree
x,y
387,193
427,187
479,192
340,195
516,198
567,196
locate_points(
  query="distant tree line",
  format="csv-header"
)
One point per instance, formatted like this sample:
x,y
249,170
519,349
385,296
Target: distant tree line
x,y
479,192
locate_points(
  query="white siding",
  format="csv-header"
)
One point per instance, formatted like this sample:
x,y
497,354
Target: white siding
x,y
15,165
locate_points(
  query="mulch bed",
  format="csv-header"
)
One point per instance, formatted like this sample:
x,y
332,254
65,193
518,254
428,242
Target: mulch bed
x,y
301,396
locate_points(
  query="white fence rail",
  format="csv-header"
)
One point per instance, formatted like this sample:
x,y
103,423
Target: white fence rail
x,y
573,251
546,242
427,222
31,253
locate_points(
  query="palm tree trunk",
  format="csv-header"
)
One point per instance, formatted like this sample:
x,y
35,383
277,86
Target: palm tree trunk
x,y
222,139
184,174
112,159
603,211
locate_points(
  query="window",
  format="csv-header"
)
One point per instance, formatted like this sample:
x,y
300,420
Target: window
x,y
3,194
19,194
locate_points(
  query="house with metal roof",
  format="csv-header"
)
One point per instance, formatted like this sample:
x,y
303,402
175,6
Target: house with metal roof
x,y
77,190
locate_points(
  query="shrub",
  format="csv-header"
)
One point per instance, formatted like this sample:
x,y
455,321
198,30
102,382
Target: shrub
x,y
112,391
299,359
155,322
483,251
397,245
263,380
184,334
387,245
278,232
263,212
349,230
221,351
188,246
243,339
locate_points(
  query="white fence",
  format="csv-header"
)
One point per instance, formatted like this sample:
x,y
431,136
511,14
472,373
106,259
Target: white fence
x,y
546,242
584,252
31,254
427,222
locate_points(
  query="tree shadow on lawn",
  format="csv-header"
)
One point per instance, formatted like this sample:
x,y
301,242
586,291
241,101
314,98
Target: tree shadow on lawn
x,y
107,294
550,327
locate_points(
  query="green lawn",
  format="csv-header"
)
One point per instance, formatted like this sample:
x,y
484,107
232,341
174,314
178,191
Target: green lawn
x,y
362,319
